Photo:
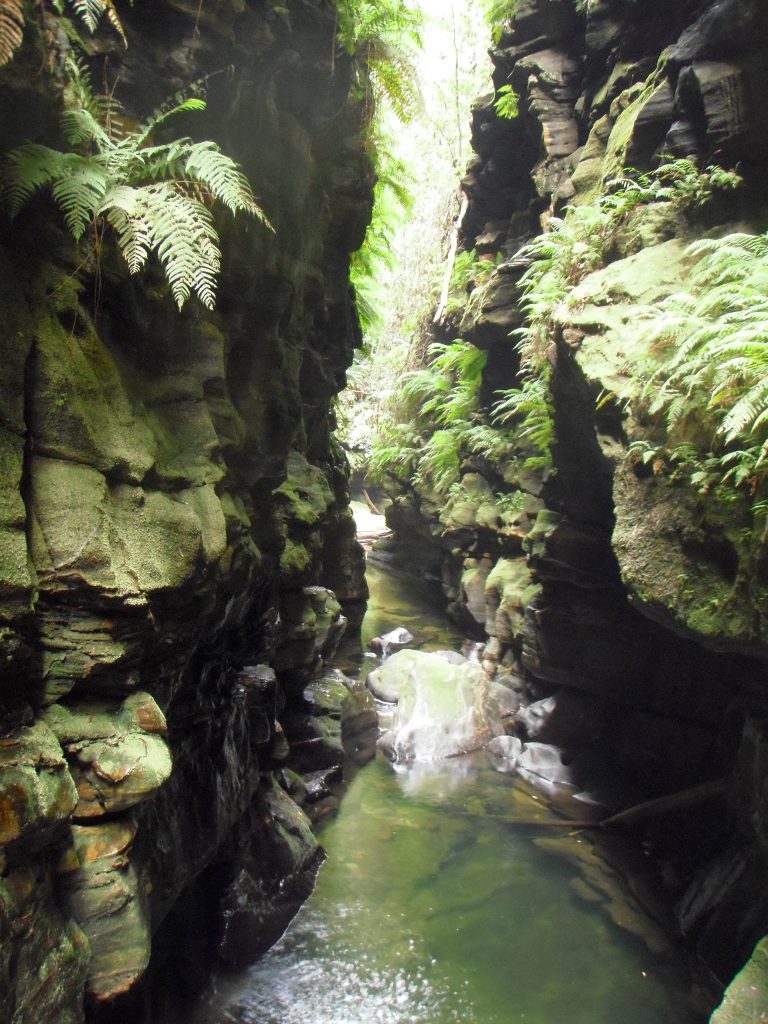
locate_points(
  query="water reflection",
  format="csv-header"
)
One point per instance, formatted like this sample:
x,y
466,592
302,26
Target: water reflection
x,y
448,898
435,906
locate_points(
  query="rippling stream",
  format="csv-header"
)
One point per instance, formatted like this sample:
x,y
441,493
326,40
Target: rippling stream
x,y
443,901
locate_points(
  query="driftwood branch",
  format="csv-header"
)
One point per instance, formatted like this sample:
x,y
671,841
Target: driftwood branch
x,y
632,815
369,503
668,804
455,231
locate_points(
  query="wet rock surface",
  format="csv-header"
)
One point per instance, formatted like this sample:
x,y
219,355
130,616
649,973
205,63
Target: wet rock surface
x,y
606,592
174,530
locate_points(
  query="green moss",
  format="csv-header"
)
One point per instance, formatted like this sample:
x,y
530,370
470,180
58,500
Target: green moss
x,y
626,109
295,559
746,998
305,495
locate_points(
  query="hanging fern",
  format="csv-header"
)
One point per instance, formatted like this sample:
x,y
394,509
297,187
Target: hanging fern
x,y
90,12
11,28
530,409
381,36
155,197
713,374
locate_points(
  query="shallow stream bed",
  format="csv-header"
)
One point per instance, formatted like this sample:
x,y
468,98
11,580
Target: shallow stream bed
x,y
443,900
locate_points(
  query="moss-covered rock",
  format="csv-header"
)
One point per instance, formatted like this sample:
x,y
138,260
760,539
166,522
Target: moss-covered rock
x,y
37,792
509,589
44,954
117,753
108,903
746,998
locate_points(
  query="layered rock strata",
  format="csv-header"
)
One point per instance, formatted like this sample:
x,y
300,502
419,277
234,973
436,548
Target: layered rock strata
x,y
176,540
627,605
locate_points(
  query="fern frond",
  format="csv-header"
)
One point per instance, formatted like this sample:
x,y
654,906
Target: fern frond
x,y
114,19
79,189
28,168
89,11
207,164
80,127
11,28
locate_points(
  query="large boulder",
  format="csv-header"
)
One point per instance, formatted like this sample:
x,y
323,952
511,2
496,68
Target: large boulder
x,y
443,709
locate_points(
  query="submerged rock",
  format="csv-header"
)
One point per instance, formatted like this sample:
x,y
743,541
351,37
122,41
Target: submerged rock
x,y
544,761
393,640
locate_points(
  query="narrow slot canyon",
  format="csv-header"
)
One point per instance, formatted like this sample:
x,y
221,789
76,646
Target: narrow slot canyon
x,y
384,536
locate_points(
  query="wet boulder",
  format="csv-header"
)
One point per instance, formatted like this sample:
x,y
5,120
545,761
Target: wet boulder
x,y
392,641
545,762
36,789
116,750
442,709
504,751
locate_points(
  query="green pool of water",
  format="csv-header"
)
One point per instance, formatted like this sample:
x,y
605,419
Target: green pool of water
x,y
443,901
435,906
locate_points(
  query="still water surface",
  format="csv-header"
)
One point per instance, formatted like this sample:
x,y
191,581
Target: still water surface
x,y
441,903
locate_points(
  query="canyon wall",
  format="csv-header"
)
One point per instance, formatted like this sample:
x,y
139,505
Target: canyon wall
x,y
176,540
630,606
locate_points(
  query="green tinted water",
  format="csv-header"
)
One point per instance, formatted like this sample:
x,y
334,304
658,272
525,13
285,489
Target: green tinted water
x,y
441,903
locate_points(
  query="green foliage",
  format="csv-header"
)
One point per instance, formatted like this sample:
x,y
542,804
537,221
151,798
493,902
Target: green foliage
x,y
380,35
578,243
155,197
498,14
677,181
447,390
392,201
444,422
13,16
713,378
507,103
530,408
573,247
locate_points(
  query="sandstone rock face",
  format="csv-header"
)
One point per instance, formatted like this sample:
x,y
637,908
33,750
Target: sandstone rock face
x,y
173,512
626,608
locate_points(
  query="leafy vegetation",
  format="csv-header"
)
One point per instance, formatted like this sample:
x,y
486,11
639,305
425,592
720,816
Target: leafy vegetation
x,y
392,202
154,196
12,19
445,395
380,36
507,103
578,243
711,387
498,14
529,408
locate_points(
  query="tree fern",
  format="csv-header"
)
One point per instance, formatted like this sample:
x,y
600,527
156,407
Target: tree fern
x,y
153,196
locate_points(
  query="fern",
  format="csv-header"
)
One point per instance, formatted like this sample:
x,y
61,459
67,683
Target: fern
x,y
152,196
381,36
507,103
713,370
529,407
11,28
90,12
498,15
